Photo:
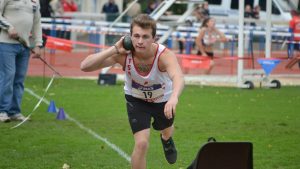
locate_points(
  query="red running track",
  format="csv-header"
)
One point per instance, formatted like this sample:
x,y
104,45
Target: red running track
x,y
68,64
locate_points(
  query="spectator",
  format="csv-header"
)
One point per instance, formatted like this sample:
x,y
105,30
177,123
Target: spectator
x,y
201,12
57,11
153,84
295,29
133,11
111,10
207,37
150,8
45,9
197,13
248,13
46,12
15,52
255,14
256,11
182,40
57,7
205,10
69,6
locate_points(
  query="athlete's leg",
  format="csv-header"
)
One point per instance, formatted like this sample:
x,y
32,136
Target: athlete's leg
x,y
167,132
211,66
165,126
138,157
295,59
168,145
139,121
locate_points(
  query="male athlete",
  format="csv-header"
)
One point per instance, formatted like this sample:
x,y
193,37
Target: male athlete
x,y
153,84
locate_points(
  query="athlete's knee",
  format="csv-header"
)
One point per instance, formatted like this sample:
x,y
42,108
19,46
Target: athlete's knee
x,y
142,145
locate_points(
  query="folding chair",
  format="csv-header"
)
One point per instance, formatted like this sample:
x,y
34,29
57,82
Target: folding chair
x,y
224,155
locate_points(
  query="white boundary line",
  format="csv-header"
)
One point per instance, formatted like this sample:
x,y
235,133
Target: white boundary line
x,y
94,134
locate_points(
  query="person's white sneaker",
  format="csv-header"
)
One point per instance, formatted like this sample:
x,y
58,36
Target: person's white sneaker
x,y
4,117
17,117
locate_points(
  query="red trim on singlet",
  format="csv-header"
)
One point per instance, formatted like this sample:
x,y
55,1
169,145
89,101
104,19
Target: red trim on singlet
x,y
124,66
151,64
158,60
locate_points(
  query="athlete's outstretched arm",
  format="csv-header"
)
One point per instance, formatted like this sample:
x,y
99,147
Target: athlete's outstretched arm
x,y
106,58
222,37
170,64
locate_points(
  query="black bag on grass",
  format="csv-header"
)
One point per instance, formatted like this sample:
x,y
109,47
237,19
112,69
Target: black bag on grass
x,y
224,155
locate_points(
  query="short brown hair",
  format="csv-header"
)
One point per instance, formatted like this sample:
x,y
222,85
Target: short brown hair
x,y
205,21
144,21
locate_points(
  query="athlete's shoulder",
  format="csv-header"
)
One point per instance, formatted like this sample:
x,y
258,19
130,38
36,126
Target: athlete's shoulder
x,y
166,52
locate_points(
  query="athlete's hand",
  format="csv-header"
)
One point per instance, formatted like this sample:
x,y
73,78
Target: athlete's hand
x,y
170,107
121,48
204,54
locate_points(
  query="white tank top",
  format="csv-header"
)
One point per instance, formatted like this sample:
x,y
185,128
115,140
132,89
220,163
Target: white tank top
x,y
155,87
209,38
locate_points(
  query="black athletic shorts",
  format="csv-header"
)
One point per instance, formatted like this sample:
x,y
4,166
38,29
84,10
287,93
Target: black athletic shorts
x,y
209,54
140,113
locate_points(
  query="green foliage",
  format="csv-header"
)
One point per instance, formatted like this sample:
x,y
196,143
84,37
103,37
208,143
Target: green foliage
x,y
268,118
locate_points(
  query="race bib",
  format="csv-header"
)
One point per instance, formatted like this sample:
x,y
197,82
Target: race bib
x,y
149,93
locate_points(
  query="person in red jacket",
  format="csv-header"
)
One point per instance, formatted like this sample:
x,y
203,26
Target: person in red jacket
x,y
69,5
295,28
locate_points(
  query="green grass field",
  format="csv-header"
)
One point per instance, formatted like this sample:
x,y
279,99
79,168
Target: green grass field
x,y
269,118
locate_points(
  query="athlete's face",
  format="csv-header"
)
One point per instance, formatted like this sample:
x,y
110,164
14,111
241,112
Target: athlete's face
x,y
211,23
142,38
